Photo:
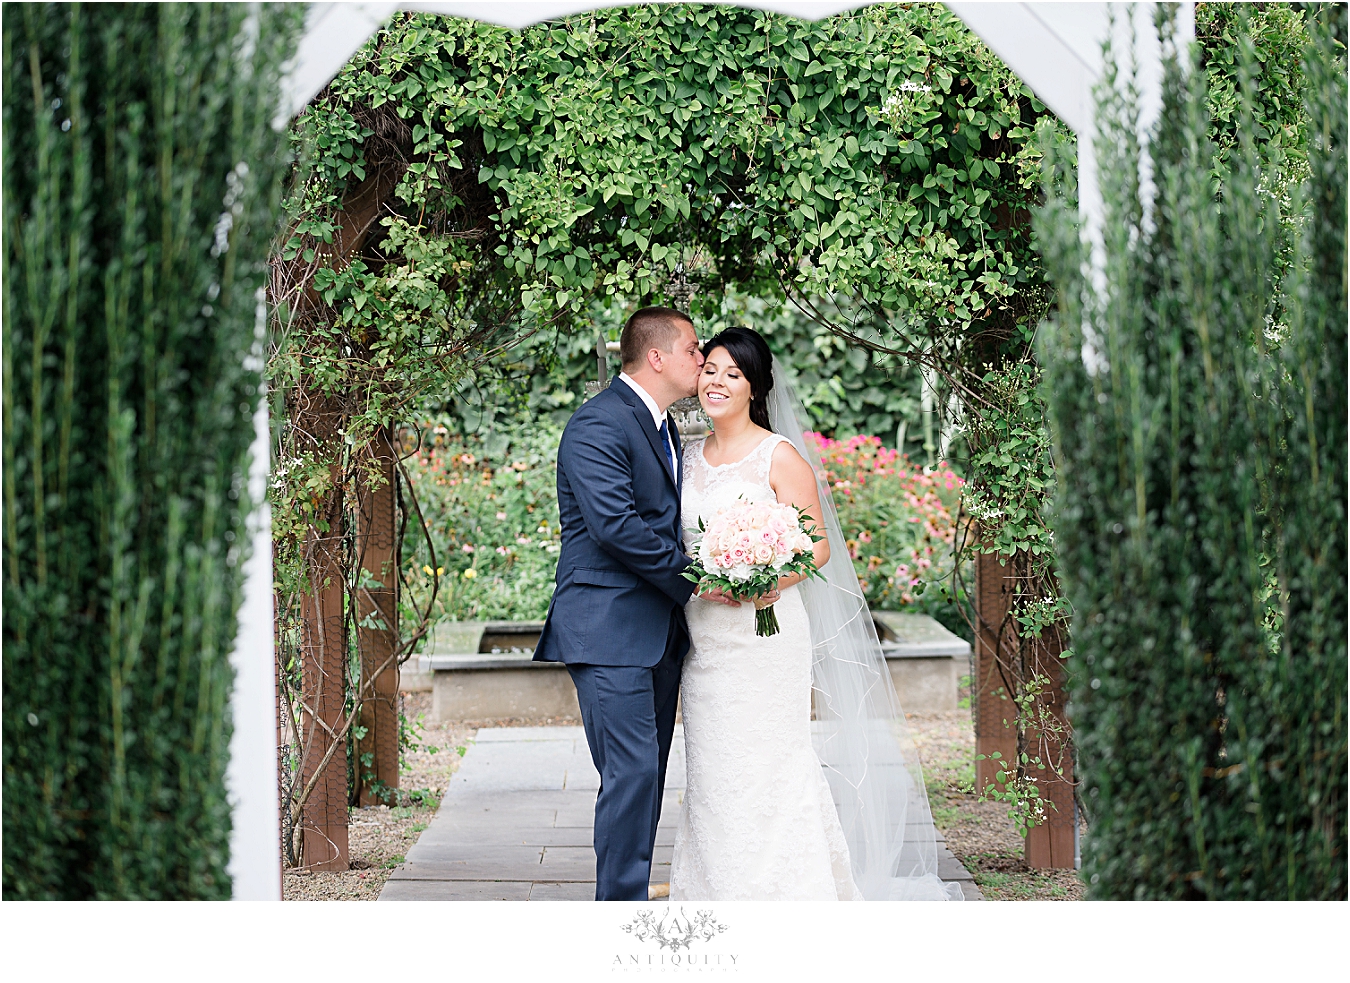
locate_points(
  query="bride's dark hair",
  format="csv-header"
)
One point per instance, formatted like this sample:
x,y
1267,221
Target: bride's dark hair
x,y
750,352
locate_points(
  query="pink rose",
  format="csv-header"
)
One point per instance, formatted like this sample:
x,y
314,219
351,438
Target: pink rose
x,y
763,553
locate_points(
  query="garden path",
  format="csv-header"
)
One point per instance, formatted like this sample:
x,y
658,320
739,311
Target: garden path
x,y
516,824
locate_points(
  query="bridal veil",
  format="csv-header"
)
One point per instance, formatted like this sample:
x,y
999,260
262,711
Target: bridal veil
x,y
860,732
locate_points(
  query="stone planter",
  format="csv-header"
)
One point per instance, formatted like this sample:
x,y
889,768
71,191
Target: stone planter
x,y
482,670
926,660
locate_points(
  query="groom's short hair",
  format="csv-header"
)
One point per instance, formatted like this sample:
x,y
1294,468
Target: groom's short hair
x,y
651,327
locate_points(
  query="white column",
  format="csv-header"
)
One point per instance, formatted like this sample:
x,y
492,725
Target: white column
x,y
251,779
1056,48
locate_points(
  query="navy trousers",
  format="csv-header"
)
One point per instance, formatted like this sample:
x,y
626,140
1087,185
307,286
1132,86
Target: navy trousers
x,y
629,716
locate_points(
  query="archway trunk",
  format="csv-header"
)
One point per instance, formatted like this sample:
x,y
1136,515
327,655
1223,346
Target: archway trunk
x,y
323,814
377,620
995,731
1005,666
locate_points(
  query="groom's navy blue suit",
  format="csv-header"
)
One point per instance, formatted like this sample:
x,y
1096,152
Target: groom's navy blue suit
x,y
617,619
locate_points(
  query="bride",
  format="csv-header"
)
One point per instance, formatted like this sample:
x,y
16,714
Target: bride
x,y
779,806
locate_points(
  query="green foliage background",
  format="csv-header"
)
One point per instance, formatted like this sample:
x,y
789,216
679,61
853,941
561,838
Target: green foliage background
x,y
846,389
494,534
877,166
1263,39
492,520
1200,504
141,174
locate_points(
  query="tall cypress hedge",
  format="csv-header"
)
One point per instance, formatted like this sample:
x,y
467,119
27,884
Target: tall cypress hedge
x,y
140,189
1198,401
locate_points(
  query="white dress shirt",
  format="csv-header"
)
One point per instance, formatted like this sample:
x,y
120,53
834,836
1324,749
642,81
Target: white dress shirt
x,y
658,417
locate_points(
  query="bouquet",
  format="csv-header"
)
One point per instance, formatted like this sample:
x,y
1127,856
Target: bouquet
x,y
747,547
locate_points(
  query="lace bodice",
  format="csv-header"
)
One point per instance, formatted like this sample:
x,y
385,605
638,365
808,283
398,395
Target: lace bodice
x,y
709,487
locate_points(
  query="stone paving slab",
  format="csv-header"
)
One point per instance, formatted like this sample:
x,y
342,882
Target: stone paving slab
x,y
498,869
547,758
517,735
951,870
462,891
541,891
535,836
516,824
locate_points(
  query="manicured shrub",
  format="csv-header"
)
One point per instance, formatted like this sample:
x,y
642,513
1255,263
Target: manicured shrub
x,y
1198,401
140,182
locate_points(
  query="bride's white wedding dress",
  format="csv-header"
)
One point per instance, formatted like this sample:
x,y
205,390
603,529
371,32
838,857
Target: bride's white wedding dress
x,y
758,821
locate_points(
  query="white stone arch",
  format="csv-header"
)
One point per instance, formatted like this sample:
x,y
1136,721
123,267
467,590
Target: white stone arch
x,y
1056,48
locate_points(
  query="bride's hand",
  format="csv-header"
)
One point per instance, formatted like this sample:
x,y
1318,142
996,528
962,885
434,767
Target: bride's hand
x,y
767,599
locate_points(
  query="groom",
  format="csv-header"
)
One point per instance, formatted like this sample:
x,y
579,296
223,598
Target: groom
x,y
617,615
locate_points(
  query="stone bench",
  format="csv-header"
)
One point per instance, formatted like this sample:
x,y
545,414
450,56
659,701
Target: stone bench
x,y
482,670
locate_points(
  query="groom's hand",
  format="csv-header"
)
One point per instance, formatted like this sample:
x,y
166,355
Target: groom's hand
x,y
718,597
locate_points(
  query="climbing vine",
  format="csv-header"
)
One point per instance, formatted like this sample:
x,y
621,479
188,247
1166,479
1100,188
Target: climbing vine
x,y
463,186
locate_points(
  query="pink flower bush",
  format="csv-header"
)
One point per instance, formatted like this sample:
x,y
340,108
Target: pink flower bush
x,y
898,518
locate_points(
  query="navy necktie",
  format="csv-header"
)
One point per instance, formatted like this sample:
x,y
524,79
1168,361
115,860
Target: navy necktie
x,y
665,442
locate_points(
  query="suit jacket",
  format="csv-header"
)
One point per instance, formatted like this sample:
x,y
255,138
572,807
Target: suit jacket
x,y
619,591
